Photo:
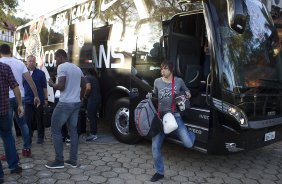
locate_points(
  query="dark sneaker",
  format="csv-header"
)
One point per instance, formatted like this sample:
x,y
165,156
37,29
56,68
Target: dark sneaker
x,y
71,163
56,164
91,137
17,170
1,180
156,177
26,152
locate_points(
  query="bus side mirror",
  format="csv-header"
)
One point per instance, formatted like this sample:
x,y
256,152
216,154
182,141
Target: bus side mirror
x,y
236,15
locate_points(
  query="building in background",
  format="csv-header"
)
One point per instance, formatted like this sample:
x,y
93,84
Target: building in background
x,y
7,30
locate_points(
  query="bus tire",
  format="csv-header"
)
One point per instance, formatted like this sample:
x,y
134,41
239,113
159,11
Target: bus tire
x,y
120,122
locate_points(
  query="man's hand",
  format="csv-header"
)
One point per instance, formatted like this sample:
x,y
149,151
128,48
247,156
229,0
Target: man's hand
x,y
36,101
188,94
51,83
20,111
45,103
149,95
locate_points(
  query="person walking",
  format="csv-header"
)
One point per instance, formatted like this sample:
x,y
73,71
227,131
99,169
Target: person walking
x,y
33,114
7,80
163,91
71,84
19,71
93,97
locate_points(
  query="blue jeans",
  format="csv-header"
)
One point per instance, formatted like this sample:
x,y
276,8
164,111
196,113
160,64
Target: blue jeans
x,y
21,122
65,113
8,143
187,138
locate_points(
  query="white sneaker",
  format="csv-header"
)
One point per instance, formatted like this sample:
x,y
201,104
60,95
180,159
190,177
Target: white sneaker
x,y
68,142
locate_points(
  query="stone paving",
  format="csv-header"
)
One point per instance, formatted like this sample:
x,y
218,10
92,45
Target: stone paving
x,y
109,161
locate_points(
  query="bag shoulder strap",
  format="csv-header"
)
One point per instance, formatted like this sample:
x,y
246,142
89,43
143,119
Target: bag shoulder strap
x,y
172,95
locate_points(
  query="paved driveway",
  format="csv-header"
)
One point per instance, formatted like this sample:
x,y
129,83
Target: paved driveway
x,y
108,161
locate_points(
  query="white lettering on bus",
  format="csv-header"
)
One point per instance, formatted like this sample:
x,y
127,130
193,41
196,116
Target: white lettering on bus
x,y
50,58
60,22
105,6
196,131
83,10
107,56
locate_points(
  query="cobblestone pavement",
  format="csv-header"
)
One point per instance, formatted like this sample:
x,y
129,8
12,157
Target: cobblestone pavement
x,y
109,161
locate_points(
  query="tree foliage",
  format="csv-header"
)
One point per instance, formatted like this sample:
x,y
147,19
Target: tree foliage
x,y
122,10
7,7
17,21
8,10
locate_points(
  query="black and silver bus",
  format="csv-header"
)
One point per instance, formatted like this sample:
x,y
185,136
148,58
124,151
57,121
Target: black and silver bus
x,y
236,85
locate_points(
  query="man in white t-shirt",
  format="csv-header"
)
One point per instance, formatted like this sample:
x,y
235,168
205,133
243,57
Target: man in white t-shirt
x,y
19,70
70,82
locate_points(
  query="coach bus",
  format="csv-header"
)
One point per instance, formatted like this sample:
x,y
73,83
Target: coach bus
x,y
227,52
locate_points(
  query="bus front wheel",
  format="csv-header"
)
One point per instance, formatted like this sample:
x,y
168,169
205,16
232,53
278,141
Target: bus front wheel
x,y
121,124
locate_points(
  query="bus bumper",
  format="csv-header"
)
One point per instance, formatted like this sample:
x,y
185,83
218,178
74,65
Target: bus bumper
x,y
251,139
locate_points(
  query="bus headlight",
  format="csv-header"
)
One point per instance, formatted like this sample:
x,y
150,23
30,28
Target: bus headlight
x,y
237,114
233,111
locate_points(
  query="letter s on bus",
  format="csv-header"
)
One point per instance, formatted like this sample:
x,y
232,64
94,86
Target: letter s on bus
x,y
106,57
117,56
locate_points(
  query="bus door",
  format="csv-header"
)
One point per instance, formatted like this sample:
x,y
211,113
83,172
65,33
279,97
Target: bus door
x,y
79,43
186,37
100,37
146,58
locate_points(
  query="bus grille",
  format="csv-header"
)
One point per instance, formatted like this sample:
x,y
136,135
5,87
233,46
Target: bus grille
x,y
263,107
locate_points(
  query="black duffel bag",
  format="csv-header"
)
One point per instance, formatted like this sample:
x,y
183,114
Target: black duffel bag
x,y
47,114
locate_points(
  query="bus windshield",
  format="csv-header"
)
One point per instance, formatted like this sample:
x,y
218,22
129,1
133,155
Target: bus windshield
x,y
251,59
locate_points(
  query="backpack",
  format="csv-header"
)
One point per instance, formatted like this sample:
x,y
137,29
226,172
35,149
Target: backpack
x,y
146,119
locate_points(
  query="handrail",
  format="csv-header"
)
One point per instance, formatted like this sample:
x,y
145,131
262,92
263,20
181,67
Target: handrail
x,y
208,84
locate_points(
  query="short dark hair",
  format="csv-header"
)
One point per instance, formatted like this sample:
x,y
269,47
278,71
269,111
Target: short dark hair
x,y
5,49
167,63
61,52
31,56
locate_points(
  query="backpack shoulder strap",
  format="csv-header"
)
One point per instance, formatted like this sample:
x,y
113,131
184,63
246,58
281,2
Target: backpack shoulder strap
x,y
172,95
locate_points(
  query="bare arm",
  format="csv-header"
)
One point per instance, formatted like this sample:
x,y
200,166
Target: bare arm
x,y
33,88
83,87
45,93
188,93
18,96
60,85
87,90
31,83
